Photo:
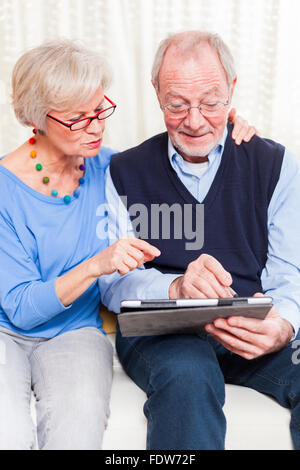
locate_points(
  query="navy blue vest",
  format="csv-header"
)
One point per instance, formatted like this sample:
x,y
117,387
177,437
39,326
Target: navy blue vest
x,y
235,208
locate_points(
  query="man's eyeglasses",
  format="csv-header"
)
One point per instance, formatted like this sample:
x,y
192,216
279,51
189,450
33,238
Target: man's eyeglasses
x,y
108,109
181,110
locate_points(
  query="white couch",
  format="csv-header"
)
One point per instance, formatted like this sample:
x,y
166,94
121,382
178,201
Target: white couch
x,y
254,421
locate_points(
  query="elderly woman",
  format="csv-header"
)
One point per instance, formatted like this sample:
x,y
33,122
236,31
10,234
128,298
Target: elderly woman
x,y
51,337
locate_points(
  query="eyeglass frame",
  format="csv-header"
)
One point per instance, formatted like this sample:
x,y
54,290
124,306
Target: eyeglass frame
x,y
90,118
163,108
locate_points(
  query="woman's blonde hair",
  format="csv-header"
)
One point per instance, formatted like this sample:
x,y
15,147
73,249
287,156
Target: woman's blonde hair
x,y
57,75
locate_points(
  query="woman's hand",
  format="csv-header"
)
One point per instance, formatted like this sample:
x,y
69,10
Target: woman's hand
x,y
241,129
125,255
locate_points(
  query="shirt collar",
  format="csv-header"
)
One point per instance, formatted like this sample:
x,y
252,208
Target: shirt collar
x,y
218,150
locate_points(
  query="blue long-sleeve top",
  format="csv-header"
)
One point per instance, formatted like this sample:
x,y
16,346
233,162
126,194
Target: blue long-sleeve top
x,y
42,238
281,275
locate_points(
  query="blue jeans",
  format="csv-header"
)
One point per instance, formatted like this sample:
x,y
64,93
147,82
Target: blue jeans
x,y
184,378
70,376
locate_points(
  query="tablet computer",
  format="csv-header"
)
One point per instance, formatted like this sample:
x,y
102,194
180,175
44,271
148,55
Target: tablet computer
x,y
185,316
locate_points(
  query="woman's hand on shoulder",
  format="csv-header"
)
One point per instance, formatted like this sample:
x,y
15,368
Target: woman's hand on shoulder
x,y
241,129
125,255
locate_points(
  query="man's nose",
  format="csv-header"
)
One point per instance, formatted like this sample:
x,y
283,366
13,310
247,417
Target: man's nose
x,y
194,119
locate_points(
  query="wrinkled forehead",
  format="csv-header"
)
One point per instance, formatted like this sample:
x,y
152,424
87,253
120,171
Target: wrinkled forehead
x,y
200,69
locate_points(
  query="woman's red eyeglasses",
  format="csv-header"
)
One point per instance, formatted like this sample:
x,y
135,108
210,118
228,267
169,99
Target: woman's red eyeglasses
x,y
82,123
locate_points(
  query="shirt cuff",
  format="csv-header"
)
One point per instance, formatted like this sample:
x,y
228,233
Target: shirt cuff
x,y
159,289
290,312
44,300
139,284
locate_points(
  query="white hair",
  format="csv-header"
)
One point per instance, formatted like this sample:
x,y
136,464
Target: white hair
x,y
56,75
188,42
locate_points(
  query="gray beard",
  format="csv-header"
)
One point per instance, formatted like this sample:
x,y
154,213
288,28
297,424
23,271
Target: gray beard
x,y
182,150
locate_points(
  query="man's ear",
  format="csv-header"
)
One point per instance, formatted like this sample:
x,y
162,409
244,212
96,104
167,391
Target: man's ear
x,y
232,89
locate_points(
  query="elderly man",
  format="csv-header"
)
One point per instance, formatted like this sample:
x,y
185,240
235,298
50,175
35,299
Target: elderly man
x,y
251,196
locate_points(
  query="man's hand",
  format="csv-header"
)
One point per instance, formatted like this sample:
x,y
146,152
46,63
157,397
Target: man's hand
x,y
241,129
204,278
252,338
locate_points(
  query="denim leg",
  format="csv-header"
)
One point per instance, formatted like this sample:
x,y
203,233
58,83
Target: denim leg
x,y
277,375
16,426
185,389
72,375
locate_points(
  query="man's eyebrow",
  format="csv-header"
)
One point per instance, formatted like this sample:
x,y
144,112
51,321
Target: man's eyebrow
x,y
211,90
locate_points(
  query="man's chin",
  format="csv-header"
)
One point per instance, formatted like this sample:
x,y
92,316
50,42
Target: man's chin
x,y
194,150
193,146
